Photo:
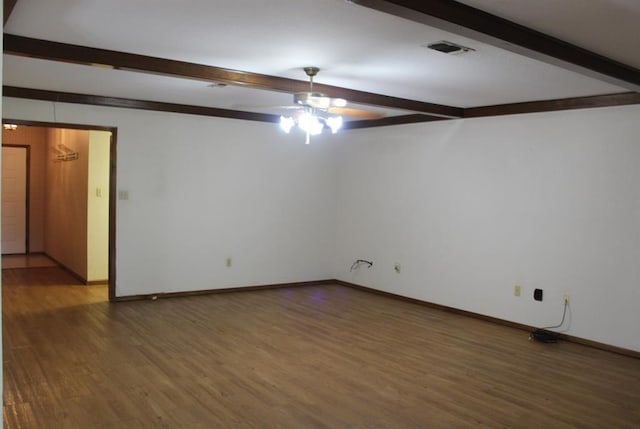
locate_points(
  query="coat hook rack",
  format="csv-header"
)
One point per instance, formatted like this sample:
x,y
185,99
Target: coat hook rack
x,y
68,156
65,153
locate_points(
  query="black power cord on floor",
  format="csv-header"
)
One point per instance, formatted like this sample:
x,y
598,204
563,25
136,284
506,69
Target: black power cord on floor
x,y
544,335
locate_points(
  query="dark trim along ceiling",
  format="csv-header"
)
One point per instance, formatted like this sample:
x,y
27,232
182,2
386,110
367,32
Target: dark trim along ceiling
x,y
129,103
622,99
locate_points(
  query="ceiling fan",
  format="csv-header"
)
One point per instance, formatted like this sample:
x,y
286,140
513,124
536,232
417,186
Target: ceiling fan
x,y
318,100
315,111
318,110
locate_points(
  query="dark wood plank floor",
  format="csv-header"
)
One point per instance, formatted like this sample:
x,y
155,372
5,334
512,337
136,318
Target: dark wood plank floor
x,y
308,357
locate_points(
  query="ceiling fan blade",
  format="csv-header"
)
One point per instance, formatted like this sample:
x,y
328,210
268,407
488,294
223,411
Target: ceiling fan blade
x,y
265,107
357,113
318,103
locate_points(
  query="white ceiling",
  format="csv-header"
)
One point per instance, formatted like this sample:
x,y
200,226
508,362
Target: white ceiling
x,y
354,46
607,27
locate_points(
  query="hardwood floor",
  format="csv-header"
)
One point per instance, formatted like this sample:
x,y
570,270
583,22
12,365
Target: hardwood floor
x,y
27,261
307,357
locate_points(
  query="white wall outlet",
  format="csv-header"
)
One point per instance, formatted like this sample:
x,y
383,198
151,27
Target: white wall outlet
x,y
228,262
517,290
565,298
397,267
123,195
99,192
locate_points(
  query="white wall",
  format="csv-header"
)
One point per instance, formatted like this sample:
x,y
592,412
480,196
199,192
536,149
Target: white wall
x,y
472,208
204,189
469,208
98,206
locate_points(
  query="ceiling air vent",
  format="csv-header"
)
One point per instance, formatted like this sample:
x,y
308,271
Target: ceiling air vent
x,y
448,47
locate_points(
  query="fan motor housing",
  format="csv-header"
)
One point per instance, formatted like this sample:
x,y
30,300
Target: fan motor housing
x,y
312,99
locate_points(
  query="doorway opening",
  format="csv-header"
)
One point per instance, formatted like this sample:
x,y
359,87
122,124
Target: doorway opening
x,y
66,211
15,201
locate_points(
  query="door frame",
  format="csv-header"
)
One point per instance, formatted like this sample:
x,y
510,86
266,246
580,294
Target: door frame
x,y
27,217
112,184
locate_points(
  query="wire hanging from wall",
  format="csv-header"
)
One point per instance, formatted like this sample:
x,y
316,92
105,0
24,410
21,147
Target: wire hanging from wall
x,y
359,262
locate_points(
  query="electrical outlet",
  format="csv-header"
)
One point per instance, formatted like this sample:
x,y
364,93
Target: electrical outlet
x,y
397,267
516,290
565,299
228,262
537,294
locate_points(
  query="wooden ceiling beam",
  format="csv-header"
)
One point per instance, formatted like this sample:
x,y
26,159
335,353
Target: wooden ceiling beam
x,y
608,100
478,25
391,120
129,103
55,51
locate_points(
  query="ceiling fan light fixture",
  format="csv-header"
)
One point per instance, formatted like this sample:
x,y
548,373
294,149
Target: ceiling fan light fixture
x,y
335,123
317,111
310,124
286,123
